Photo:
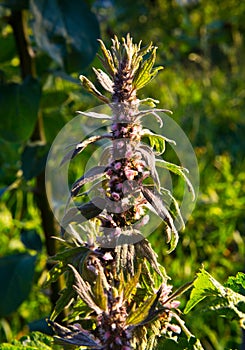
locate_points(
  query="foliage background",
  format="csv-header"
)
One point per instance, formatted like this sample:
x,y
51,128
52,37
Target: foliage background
x,y
201,46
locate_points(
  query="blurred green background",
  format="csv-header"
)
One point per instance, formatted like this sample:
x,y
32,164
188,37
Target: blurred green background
x,y
201,46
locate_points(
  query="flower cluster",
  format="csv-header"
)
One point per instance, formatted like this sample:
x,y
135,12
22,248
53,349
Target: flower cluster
x,y
118,279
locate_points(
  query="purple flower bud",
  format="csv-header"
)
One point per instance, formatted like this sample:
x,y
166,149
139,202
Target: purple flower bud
x,y
118,165
115,196
130,174
109,172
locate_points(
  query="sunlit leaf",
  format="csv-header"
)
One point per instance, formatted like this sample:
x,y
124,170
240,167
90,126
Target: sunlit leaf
x,y
83,289
104,80
144,73
222,298
176,169
89,86
136,317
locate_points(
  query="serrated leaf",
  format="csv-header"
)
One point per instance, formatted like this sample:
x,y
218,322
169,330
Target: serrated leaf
x,y
203,287
143,74
83,212
137,317
84,291
222,297
237,283
145,251
131,285
89,86
176,169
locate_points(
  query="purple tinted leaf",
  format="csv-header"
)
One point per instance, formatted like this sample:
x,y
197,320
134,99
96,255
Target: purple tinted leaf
x,y
91,175
79,148
75,335
156,202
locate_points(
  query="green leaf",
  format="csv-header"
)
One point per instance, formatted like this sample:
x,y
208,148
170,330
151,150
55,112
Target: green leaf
x,y
66,295
16,275
33,160
33,341
100,297
176,169
89,86
131,285
157,142
223,298
19,108
136,317
83,289
237,283
66,32
31,239
144,73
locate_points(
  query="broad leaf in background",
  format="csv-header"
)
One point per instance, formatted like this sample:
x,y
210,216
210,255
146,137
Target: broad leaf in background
x,y
223,299
67,32
31,239
15,4
19,109
33,160
16,275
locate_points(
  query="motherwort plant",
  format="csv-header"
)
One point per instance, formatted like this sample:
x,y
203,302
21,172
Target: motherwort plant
x,y
117,295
